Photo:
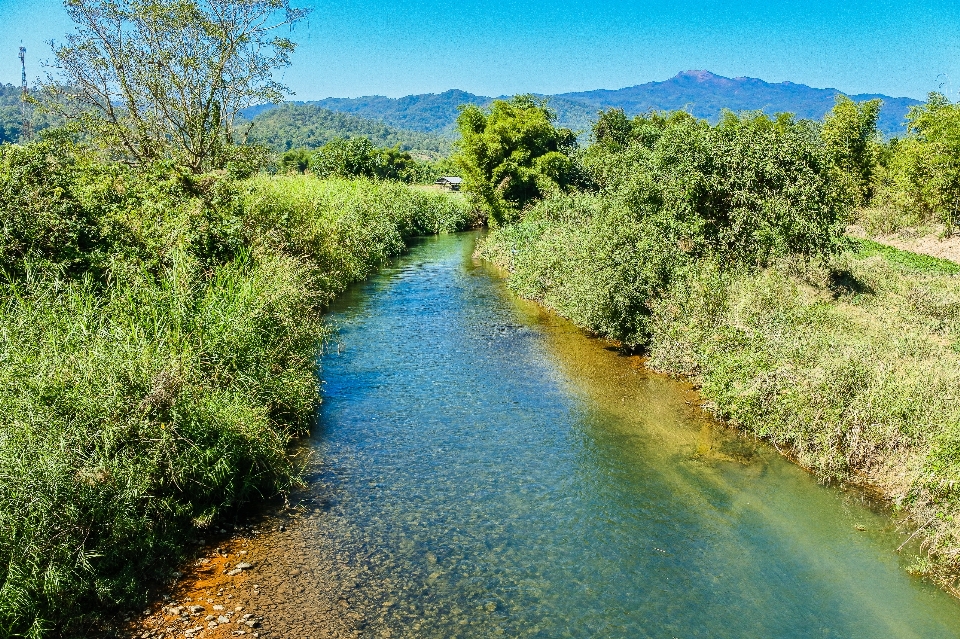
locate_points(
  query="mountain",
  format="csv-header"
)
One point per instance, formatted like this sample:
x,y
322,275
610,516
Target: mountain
x,y
702,93
705,94
309,125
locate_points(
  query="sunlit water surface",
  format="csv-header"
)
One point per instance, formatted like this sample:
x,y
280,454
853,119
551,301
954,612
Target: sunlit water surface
x,y
497,473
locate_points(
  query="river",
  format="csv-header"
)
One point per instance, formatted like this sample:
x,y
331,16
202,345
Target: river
x,y
490,471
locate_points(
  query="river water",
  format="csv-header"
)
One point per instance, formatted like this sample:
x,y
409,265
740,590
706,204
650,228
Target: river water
x,y
493,472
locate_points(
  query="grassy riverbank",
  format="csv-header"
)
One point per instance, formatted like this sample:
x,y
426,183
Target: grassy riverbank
x,y
158,334
850,364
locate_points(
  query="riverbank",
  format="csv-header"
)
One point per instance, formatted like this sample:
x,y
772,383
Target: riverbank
x,y
483,468
849,367
159,334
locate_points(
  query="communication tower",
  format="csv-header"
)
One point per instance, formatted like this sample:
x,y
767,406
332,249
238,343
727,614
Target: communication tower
x,y
26,131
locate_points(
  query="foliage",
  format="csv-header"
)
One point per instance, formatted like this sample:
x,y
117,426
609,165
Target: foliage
x,y
673,192
292,126
750,187
159,331
512,154
359,158
154,80
42,216
295,161
922,172
852,140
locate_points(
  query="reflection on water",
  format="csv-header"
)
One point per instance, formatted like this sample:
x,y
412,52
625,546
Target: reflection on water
x,y
493,472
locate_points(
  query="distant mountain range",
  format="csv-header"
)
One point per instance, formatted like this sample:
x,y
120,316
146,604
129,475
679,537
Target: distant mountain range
x,y
702,93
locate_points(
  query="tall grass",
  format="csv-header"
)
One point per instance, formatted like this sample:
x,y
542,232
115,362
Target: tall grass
x,y
152,380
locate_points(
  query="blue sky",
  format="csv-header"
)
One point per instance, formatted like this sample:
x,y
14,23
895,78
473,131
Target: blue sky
x,y
397,47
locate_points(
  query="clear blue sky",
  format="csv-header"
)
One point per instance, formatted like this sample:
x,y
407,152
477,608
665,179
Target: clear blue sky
x,y
397,47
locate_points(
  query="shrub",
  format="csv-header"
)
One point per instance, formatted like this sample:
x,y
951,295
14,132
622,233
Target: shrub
x,y
674,193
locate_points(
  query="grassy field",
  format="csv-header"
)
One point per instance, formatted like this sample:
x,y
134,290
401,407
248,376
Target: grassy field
x,y
154,376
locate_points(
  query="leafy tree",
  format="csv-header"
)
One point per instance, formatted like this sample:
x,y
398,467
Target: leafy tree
x,y
358,157
165,79
295,161
924,171
512,154
750,188
852,139
613,128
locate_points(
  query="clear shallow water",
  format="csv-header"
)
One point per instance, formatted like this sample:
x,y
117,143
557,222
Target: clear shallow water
x,y
494,472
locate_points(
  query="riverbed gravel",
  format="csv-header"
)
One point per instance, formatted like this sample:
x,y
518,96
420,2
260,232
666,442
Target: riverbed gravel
x,y
266,580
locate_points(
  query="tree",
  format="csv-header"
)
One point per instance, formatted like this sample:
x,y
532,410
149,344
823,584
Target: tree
x,y
512,154
925,166
613,128
162,79
295,161
358,157
852,140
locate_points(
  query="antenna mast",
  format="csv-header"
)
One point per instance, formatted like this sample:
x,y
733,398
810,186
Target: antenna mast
x,y
26,131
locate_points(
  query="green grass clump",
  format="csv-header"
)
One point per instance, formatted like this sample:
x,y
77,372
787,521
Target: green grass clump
x,y
158,340
135,414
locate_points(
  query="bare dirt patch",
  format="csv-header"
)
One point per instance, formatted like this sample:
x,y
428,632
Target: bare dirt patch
x,y
925,241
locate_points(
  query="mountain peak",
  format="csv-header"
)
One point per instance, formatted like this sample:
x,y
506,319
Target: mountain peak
x,y
701,75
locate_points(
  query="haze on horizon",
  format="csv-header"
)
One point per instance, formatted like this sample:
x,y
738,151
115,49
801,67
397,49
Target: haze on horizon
x,y
351,48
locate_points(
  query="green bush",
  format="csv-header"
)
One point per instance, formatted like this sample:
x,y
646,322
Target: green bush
x,y
920,173
673,192
359,158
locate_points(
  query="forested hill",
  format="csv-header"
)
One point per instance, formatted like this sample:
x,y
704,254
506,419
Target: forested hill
x,y
702,93
10,116
308,125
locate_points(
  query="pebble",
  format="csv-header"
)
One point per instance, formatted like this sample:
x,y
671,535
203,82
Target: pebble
x,y
234,572
222,619
195,609
244,566
218,607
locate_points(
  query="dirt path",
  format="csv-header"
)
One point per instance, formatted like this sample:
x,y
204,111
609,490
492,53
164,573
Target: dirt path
x,y
925,243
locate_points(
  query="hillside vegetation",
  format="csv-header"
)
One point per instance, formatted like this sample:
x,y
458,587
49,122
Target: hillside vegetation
x,y
701,93
293,126
718,250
